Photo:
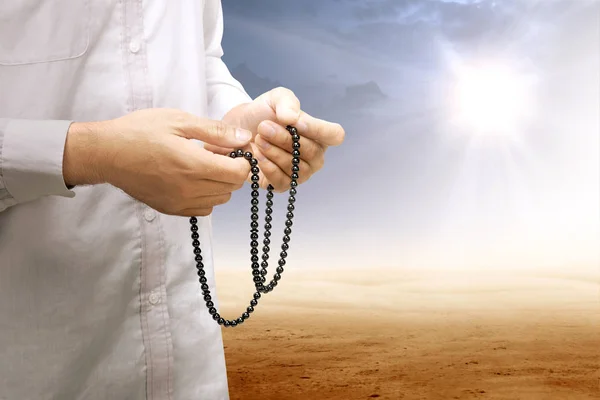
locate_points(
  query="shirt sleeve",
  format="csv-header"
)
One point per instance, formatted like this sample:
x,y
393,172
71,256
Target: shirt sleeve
x,y
224,91
31,160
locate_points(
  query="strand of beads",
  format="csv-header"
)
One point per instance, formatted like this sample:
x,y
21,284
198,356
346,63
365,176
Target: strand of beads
x,y
259,271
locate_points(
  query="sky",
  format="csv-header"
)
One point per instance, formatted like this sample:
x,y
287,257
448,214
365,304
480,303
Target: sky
x,y
413,185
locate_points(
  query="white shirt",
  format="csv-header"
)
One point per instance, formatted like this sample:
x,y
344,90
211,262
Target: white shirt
x,y
99,297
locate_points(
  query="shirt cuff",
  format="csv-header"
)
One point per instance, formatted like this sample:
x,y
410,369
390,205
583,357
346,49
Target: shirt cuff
x,y
226,98
32,159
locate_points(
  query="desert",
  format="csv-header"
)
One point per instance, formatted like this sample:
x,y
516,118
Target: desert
x,y
416,334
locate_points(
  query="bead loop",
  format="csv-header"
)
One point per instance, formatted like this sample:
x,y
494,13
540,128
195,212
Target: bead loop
x,y
259,271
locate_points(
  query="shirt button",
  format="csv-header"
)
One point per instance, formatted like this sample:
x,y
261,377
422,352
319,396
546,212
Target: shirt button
x,y
149,215
154,299
134,46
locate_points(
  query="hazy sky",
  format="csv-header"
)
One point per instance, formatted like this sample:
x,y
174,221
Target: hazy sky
x,y
411,186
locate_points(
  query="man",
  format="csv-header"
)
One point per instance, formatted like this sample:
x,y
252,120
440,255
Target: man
x,y
102,105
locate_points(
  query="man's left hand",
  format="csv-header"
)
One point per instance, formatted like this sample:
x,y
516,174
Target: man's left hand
x,y
266,117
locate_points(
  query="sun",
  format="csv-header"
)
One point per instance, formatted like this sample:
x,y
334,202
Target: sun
x,y
491,99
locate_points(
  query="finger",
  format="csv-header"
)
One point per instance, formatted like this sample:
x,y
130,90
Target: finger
x,y
222,168
212,132
195,212
324,132
225,151
218,149
285,104
278,136
271,174
213,188
283,160
206,202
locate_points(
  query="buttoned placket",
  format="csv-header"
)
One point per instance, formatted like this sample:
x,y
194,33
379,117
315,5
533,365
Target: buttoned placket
x,y
153,305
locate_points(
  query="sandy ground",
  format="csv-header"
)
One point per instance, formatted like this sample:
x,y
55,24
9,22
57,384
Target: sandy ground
x,y
416,335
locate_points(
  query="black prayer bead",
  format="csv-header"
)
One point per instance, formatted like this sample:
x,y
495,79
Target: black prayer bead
x,y
259,271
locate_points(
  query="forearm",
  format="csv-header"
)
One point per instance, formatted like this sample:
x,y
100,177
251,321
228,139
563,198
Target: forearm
x,y
82,156
31,160
47,158
224,92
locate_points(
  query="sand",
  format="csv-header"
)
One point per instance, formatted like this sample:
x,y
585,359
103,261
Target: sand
x,y
401,334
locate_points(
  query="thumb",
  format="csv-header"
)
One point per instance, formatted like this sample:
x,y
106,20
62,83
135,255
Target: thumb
x,y
218,133
285,104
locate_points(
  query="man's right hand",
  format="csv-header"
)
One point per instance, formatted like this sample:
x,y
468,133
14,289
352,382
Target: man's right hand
x,y
148,155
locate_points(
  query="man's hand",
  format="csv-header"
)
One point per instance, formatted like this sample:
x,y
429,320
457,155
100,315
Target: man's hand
x,y
266,117
148,155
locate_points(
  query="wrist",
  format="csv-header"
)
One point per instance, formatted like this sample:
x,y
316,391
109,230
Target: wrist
x,y
235,116
83,159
